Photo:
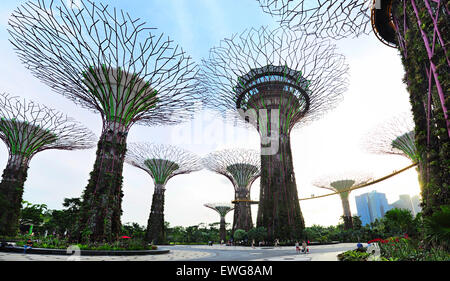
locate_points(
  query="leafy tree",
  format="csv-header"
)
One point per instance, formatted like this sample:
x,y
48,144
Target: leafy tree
x,y
239,235
398,221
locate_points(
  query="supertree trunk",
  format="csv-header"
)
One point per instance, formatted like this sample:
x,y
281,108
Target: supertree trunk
x,y
242,211
348,222
279,208
101,207
11,191
222,229
155,227
422,39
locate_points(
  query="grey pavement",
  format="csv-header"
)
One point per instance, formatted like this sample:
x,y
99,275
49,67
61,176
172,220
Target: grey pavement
x,y
207,253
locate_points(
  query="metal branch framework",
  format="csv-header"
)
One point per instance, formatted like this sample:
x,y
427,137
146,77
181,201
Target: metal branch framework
x,y
104,60
28,128
275,80
313,74
222,209
395,136
343,184
242,167
161,162
332,18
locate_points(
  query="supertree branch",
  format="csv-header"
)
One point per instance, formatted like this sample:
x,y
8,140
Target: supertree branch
x,y
335,19
395,136
275,80
104,60
242,167
222,209
28,128
161,162
342,184
310,68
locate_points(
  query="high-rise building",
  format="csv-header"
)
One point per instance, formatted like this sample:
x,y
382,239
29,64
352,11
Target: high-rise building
x,y
409,203
371,206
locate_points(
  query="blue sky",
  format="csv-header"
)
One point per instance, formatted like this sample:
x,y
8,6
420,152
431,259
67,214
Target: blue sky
x,y
328,146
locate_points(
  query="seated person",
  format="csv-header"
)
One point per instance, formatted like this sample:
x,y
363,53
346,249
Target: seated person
x,y
27,246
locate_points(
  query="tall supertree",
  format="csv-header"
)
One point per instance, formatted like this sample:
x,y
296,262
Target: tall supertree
x,y
242,167
223,209
161,162
28,128
396,137
343,184
106,61
419,29
276,80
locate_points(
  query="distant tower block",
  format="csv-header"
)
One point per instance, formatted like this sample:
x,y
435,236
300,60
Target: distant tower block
x,y
28,128
222,209
242,167
161,162
276,80
108,62
343,184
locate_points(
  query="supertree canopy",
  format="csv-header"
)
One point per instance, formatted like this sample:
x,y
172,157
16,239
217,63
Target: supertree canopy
x,y
28,128
419,29
223,209
242,167
336,18
275,79
343,184
161,162
395,136
106,61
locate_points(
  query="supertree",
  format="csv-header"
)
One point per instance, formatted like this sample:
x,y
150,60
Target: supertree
x,y
223,209
106,61
275,80
242,167
419,29
28,128
396,137
161,162
343,184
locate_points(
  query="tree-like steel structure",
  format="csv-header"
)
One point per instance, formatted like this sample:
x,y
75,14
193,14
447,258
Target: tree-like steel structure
x,y
161,162
222,209
106,61
28,128
276,80
419,29
396,137
242,167
342,184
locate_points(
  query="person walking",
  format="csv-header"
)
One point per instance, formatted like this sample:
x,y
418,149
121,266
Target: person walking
x,y
297,247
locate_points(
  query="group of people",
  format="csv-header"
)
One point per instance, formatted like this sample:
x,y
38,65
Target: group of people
x,y
303,250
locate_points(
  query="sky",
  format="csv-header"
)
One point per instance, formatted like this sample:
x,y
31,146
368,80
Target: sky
x,y
332,145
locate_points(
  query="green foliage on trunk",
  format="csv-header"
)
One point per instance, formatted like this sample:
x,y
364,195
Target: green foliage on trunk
x,y
101,205
435,153
11,192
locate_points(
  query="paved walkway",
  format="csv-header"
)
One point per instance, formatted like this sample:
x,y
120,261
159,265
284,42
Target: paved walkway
x,y
207,253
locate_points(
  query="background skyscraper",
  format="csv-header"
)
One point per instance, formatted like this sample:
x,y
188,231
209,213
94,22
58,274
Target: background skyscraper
x,y
371,206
